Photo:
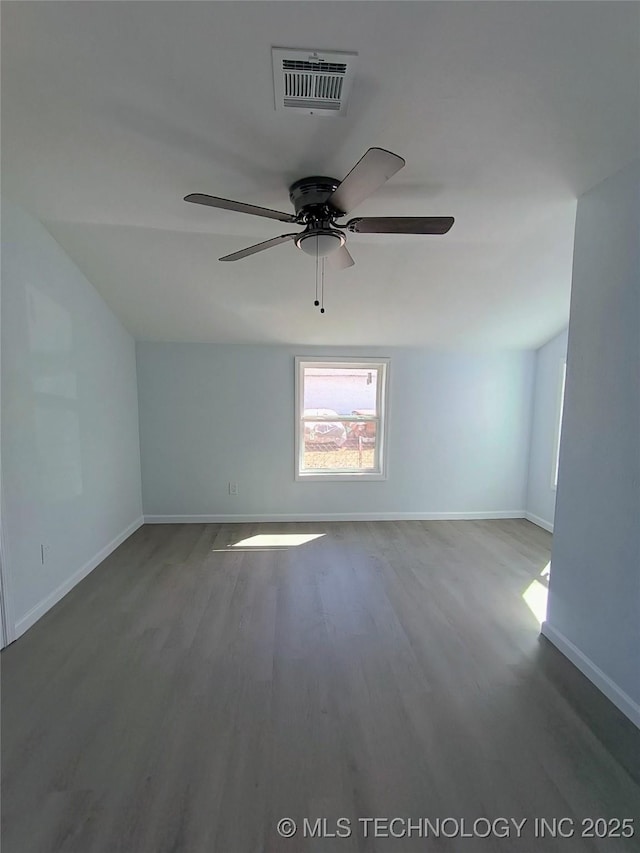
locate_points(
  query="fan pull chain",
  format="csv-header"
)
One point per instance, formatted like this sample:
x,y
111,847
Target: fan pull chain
x,y
315,302
322,287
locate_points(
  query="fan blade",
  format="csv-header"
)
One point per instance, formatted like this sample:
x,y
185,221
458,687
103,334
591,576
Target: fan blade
x,y
258,247
370,172
400,224
341,260
239,207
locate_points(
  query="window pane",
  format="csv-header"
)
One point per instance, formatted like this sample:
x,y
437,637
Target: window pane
x,y
342,390
341,418
556,463
339,445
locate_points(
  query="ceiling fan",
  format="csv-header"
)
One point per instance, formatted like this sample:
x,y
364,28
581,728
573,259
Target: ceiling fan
x,y
320,201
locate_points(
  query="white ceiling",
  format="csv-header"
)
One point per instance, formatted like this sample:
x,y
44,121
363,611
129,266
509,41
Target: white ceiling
x,y
505,113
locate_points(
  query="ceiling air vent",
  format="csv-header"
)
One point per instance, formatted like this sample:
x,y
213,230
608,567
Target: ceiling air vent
x,y
312,82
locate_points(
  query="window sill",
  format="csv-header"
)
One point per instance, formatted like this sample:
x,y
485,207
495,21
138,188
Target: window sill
x,y
349,477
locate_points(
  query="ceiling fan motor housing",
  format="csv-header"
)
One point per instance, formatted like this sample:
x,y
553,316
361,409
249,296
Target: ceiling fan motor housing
x,y
309,196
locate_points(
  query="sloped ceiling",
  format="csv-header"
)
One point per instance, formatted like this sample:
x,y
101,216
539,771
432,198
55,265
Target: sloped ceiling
x,y
505,113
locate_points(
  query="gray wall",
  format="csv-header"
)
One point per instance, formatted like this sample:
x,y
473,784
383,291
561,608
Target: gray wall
x,y
594,601
458,433
541,493
70,447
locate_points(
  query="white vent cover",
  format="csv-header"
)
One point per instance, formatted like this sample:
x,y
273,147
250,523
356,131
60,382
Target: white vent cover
x,y
312,82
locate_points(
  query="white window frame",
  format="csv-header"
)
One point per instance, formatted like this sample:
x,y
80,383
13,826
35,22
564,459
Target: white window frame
x,y
382,419
562,382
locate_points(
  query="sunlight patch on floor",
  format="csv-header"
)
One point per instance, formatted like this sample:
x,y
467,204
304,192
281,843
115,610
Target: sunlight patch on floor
x,y
276,540
536,595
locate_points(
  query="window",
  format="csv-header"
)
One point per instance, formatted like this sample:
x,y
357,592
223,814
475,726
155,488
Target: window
x,y
560,409
341,418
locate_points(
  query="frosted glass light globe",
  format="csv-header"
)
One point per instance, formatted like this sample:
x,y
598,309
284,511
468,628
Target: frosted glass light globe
x,y
320,244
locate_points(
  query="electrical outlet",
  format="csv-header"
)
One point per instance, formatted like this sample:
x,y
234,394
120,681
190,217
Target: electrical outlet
x,y
45,551
233,488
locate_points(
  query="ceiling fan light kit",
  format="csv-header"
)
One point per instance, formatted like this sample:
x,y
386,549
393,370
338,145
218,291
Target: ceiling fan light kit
x,y
320,243
320,201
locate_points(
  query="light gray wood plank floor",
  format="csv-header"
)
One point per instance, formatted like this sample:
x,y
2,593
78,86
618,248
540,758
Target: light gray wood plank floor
x,y
188,694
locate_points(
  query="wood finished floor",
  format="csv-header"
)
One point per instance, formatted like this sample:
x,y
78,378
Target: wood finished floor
x,y
187,695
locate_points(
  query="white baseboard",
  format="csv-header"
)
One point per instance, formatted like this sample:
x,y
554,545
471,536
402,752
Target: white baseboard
x,y
541,522
32,616
330,516
615,694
